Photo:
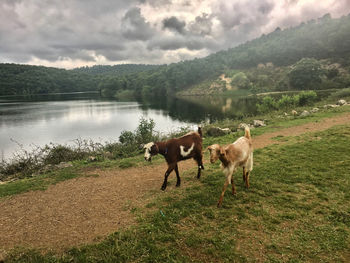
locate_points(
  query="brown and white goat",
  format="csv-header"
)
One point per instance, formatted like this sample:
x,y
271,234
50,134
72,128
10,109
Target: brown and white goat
x,y
232,156
175,150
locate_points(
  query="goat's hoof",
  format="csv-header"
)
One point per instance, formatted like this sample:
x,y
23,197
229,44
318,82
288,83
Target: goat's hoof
x,y
219,205
178,184
163,187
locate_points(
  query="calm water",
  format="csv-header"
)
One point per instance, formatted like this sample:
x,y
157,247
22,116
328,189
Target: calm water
x,y
63,118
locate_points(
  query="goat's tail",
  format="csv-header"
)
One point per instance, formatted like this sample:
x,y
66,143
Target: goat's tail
x,y
200,131
247,132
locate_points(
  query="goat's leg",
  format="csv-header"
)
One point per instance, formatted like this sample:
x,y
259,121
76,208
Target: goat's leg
x,y
247,180
233,186
201,162
178,182
244,175
199,172
200,166
168,171
223,192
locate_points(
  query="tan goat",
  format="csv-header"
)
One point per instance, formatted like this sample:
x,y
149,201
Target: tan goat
x,y
237,154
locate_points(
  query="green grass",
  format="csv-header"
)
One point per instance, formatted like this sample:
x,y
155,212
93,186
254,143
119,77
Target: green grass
x,y
40,182
297,210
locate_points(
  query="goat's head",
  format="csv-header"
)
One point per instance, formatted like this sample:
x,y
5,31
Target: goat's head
x,y
214,151
150,150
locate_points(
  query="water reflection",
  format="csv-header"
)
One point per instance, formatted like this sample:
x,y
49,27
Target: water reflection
x,y
196,109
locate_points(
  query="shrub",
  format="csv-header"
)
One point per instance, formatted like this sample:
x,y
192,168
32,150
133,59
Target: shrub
x,y
144,133
340,94
303,98
59,153
306,74
268,104
286,102
127,137
306,98
240,81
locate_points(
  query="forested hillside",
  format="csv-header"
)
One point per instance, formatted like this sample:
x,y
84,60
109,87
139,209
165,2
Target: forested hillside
x,y
115,70
24,80
16,79
321,46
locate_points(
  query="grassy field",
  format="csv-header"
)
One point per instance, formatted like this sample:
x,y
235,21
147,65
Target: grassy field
x,y
297,210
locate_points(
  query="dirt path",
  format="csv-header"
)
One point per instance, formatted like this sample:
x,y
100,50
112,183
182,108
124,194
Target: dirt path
x,y
86,209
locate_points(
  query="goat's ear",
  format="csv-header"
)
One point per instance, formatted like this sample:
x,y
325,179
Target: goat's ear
x,y
141,146
155,148
222,151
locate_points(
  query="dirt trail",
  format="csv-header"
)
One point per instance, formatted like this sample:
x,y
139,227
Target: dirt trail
x,y
85,209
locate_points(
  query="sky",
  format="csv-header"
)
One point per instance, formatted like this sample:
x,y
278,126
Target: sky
x,y
75,33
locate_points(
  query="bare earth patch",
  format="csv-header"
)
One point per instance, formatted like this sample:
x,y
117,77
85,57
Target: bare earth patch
x,y
86,209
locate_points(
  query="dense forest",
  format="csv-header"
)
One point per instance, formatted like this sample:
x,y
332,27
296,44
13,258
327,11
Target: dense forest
x,y
116,70
315,54
16,79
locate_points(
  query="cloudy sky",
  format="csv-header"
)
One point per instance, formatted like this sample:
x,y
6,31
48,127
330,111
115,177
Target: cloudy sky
x,y
73,33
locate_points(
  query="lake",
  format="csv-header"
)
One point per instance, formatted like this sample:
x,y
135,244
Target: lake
x,y
61,118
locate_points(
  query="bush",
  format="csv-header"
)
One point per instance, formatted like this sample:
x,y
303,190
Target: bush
x,y
59,153
286,102
144,133
268,104
306,98
303,98
127,137
240,81
306,74
340,94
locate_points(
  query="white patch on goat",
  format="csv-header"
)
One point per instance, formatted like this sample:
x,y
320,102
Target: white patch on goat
x,y
147,148
186,153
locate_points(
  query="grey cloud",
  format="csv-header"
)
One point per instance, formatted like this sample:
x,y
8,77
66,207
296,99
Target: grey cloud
x,y
202,25
265,7
173,23
157,3
134,25
243,12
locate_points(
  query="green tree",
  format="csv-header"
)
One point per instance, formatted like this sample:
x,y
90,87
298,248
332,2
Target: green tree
x,y
306,74
241,81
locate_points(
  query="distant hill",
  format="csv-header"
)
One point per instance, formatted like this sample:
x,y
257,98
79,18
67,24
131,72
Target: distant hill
x,y
116,70
16,79
275,61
